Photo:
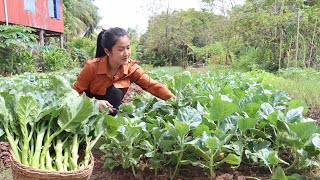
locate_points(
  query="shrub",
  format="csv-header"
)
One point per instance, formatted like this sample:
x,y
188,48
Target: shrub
x,y
14,39
56,59
81,49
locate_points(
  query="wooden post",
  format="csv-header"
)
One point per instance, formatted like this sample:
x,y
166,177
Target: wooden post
x,y
61,40
41,36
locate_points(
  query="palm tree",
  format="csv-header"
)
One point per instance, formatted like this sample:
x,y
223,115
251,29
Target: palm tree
x,y
80,17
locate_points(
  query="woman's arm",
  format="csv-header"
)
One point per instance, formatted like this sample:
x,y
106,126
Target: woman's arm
x,y
147,83
84,79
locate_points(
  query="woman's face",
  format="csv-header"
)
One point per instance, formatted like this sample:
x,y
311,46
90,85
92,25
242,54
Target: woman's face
x,y
121,51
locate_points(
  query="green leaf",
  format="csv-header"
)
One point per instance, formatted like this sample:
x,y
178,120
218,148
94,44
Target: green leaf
x,y
219,109
251,109
212,143
174,133
181,80
166,144
75,112
278,174
190,116
27,109
295,176
146,145
296,104
316,140
283,126
294,114
232,159
246,123
274,158
127,108
304,130
195,149
293,142
155,163
265,110
259,133
198,131
261,145
181,128
110,163
150,154
275,116
60,84
2,132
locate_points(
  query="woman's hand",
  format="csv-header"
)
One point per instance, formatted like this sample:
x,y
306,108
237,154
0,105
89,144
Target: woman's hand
x,y
103,104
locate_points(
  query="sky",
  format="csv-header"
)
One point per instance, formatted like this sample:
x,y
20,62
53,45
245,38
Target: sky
x,y
135,13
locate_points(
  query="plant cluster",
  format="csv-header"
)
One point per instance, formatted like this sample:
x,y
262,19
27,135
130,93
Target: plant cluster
x,y
81,49
15,53
19,53
214,119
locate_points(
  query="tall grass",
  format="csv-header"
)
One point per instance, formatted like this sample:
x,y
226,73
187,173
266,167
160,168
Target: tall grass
x,y
301,84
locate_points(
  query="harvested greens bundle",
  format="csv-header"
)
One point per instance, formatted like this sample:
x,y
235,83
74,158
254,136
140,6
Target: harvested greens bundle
x,y
47,129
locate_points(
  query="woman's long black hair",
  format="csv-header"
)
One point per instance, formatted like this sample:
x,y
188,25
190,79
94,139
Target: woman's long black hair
x,y
107,39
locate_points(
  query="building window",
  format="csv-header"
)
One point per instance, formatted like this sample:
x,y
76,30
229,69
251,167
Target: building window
x,y
30,5
54,8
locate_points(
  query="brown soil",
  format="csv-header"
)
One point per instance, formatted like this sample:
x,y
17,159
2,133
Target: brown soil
x,y
314,113
185,173
133,88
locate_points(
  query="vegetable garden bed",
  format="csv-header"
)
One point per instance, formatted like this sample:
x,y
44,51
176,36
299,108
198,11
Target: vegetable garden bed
x,y
219,126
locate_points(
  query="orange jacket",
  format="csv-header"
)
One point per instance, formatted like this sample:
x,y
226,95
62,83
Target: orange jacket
x,y
95,78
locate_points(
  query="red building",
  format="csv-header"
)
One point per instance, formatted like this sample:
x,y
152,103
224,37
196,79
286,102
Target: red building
x,y
44,15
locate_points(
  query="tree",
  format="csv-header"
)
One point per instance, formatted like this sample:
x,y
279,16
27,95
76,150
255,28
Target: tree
x,y
80,17
172,34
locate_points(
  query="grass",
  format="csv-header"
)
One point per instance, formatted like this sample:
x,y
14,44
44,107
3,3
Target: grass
x,y
303,89
302,84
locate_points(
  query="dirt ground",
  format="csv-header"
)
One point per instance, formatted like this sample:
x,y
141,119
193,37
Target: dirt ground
x,y
245,171
185,173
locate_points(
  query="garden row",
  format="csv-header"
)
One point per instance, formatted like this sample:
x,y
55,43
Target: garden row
x,y
215,119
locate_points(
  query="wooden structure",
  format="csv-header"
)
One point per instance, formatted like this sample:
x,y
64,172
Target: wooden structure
x,y
44,15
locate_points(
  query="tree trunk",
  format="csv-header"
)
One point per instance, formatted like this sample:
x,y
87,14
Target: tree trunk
x,y
297,39
289,53
304,55
275,35
312,41
281,37
167,36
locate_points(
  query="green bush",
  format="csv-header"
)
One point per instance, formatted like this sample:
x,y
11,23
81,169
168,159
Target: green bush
x,y
26,62
56,59
81,49
214,53
255,58
15,40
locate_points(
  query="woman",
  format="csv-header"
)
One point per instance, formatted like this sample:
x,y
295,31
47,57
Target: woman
x,y
108,76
